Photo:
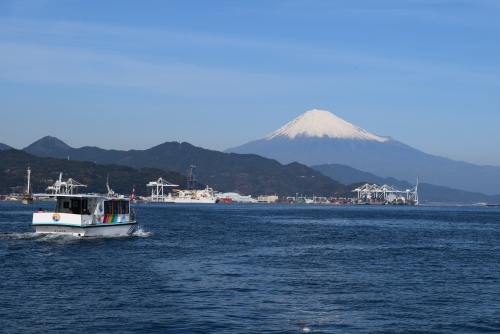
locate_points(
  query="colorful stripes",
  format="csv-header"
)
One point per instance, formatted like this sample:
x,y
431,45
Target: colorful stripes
x,y
114,219
110,219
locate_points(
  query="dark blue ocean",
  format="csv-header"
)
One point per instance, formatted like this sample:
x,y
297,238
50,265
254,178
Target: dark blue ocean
x,y
258,269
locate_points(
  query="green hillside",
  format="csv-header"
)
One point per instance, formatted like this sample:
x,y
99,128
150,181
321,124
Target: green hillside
x,y
248,174
45,171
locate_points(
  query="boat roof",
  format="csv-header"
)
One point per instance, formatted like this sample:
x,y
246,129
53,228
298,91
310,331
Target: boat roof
x,y
83,196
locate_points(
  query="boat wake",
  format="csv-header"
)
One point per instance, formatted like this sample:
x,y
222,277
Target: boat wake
x,y
139,232
64,238
33,236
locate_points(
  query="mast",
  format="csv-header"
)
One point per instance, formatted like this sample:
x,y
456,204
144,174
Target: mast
x,y
27,198
132,195
192,183
28,188
58,190
416,192
110,191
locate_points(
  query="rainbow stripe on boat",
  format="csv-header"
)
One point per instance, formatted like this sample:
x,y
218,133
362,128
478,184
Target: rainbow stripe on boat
x,y
110,219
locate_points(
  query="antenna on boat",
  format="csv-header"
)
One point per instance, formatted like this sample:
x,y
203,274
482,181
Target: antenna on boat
x,y
59,184
110,191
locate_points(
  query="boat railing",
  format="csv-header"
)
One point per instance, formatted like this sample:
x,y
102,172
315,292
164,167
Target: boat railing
x,y
133,214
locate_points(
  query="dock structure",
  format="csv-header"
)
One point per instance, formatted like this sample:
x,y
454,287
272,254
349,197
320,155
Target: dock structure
x,y
374,193
64,187
157,186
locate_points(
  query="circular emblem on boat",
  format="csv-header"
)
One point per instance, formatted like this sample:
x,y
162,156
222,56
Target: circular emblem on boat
x,y
56,217
100,207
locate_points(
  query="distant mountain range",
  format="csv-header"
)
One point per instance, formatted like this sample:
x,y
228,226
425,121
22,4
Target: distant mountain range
x,y
319,137
348,175
244,173
45,171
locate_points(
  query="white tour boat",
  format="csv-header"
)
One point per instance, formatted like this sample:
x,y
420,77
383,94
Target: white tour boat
x,y
86,216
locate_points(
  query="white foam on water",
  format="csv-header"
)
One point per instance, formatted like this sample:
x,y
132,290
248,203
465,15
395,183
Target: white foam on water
x,y
63,238
33,236
14,236
139,232
58,238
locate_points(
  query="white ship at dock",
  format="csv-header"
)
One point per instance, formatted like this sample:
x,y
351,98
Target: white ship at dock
x,y
205,196
189,196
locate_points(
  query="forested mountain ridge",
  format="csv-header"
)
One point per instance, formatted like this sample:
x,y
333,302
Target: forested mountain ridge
x,y
5,147
45,171
244,173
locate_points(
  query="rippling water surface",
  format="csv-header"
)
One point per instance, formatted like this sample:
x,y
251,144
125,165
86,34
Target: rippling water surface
x,y
258,269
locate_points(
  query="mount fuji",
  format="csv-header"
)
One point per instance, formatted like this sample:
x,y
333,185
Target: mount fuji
x,y
321,123
319,137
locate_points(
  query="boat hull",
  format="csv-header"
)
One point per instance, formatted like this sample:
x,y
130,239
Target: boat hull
x,y
26,201
187,200
204,196
86,231
191,201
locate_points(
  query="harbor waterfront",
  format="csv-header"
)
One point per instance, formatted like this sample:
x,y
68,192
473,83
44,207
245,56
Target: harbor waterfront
x,y
257,269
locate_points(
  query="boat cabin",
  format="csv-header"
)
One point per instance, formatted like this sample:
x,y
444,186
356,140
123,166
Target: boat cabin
x,y
92,205
86,215
75,205
86,210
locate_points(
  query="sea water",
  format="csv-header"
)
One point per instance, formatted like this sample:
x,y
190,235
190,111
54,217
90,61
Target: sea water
x,y
231,268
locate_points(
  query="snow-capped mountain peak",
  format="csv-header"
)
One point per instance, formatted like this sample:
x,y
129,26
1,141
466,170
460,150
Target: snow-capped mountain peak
x,y
321,123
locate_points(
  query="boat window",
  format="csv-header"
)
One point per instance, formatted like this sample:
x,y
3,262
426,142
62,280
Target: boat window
x,y
124,207
115,207
76,207
65,205
85,209
108,208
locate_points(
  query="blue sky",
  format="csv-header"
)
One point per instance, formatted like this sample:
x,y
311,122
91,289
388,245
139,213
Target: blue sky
x,y
217,74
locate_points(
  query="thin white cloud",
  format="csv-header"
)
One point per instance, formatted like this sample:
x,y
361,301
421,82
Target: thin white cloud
x,y
37,51
30,63
451,12
29,6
